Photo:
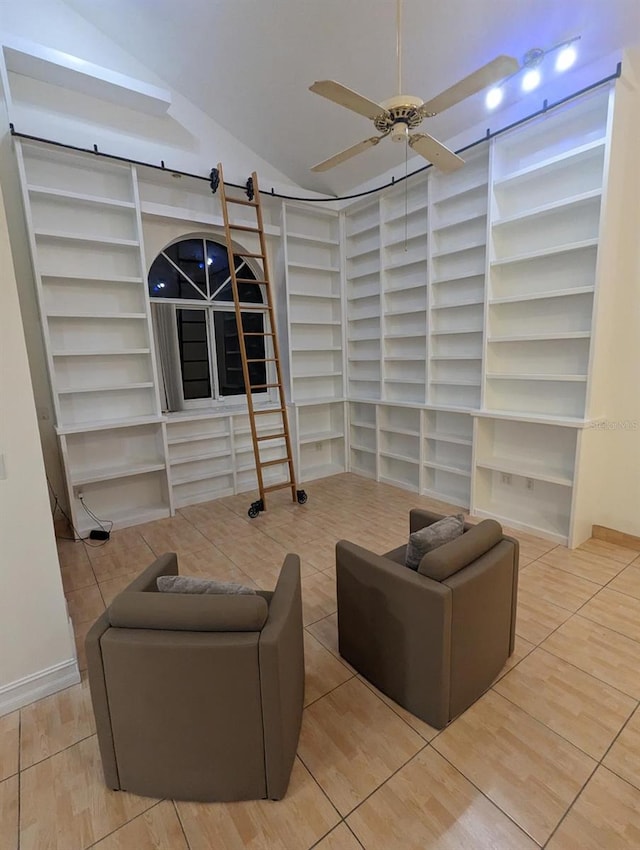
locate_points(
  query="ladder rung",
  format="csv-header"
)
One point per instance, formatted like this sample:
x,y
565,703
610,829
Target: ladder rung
x,y
247,254
251,280
270,437
258,333
272,410
272,487
246,227
263,386
263,360
275,462
241,201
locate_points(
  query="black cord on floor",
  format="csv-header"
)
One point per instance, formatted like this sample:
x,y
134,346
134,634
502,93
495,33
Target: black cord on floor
x,y
78,538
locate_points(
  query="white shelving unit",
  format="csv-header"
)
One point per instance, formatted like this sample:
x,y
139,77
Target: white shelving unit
x,y
399,445
320,430
404,253
200,458
85,232
530,465
211,455
458,249
363,297
545,222
448,441
363,439
314,308
451,336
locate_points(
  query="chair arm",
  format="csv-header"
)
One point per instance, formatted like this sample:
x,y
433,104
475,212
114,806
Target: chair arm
x,y
394,627
99,699
165,565
281,658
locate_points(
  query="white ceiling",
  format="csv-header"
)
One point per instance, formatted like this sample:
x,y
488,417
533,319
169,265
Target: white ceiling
x,y
248,63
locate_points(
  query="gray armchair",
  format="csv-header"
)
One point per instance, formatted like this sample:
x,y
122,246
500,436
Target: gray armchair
x,y
433,639
199,697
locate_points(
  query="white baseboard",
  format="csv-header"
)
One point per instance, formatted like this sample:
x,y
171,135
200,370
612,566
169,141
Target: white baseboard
x,y
38,685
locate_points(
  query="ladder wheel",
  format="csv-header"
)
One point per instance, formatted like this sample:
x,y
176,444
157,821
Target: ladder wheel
x,y
255,508
301,497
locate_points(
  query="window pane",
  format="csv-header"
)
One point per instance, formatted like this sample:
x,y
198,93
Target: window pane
x,y
219,275
194,353
230,375
165,281
188,255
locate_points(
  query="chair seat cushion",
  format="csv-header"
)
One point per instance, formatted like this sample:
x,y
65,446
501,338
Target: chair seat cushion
x,y
446,560
431,537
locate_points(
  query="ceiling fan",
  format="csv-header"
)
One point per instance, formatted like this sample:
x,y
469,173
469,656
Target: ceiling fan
x,y
400,115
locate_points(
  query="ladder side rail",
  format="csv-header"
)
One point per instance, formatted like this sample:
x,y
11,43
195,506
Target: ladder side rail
x,y
274,338
240,328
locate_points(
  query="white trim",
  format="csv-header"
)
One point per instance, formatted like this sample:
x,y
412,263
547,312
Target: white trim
x,y
38,685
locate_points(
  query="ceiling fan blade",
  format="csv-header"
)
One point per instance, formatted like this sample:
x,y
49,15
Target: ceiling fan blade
x,y
347,154
435,152
347,97
492,72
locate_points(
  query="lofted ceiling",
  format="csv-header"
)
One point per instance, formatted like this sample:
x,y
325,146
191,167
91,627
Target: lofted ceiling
x,y
248,63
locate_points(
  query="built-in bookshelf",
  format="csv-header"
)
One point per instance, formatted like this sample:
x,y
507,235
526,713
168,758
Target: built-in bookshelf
x,y
363,438
448,441
320,430
439,336
314,308
211,455
404,251
399,445
363,300
545,219
86,241
525,474
511,298
458,252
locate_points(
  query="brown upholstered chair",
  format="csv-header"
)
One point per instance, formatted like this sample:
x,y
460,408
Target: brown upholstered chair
x,y
434,639
199,697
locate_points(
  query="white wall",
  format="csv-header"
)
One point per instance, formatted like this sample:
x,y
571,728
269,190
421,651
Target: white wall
x,y
37,654
611,471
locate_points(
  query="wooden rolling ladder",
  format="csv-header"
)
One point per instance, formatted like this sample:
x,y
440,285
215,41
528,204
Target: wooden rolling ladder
x,y
268,333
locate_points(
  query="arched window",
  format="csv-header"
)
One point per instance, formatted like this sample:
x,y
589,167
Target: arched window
x,y
195,323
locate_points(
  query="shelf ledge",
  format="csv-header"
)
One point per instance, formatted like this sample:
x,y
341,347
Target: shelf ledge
x,y
542,296
94,476
81,197
505,376
523,470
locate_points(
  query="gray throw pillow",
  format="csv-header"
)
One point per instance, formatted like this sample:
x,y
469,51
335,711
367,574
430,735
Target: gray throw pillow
x,y
432,536
187,584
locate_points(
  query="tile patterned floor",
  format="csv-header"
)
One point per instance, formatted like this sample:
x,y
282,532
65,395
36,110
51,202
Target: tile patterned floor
x,y
548,757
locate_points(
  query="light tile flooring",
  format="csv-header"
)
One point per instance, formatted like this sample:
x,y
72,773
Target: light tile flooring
x,y
550,756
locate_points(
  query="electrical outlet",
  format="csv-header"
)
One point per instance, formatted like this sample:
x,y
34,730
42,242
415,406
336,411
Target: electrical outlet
x,y
506,478
529,483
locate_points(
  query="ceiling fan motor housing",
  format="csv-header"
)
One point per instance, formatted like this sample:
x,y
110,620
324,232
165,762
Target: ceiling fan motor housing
x,y
401,116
